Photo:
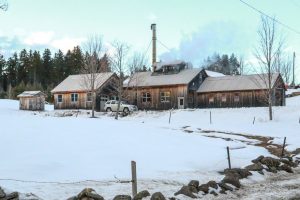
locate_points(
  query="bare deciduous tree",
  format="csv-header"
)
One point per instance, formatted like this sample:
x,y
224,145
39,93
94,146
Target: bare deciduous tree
x,y
270,44
3,5
119,65
93,51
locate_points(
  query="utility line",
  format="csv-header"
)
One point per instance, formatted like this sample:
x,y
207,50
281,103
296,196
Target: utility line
x,y
272,18
164,46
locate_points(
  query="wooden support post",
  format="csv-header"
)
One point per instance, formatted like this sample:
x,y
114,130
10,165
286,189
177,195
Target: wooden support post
x,y
134,179
283,146
254,120
170,116
210,117
228,157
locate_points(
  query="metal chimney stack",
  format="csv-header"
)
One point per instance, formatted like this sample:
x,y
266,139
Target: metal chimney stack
x,y
153,28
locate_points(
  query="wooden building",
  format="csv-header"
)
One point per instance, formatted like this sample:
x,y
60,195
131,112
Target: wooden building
x,y
32,100
171,85
75,91
240,91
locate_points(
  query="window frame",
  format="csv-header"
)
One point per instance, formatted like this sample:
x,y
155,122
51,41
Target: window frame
x,y
146,97
74,97
59,100
165,98
236,98
223,98
211,99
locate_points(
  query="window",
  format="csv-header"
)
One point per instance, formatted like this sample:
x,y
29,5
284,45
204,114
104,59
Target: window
x,y
59,98
74,97
211,99
89,96
146,97
236,98
224,98
165,97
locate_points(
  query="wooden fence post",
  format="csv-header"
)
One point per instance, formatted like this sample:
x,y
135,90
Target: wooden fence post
x,y
170,116
228,157
210,117
253,120
134,178
283,146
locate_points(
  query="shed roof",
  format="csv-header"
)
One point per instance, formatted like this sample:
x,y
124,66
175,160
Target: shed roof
x,y
146,79
236,83
31,94
213,74
80,82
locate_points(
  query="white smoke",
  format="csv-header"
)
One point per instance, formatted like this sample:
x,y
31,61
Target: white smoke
x,y
216,37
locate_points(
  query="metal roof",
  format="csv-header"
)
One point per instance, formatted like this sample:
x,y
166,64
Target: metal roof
x,y
30,94
81,82
236,83
147,79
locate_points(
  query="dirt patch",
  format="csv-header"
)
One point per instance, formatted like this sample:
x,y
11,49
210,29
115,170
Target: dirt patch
x,y
263,141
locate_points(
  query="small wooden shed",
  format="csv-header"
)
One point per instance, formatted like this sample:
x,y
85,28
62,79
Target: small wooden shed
x,y
32,100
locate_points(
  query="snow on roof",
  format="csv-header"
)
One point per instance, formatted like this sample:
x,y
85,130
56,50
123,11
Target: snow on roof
x,y
236,83
214,74
30,94
146,79
80,82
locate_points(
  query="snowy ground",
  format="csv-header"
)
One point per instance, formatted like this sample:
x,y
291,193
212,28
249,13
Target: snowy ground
x,y
45,147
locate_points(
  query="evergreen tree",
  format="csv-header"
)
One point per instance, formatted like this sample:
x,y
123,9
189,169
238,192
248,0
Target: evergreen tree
x,y
2,75
23,67
77,60
36,68
47,68
12,66
59,67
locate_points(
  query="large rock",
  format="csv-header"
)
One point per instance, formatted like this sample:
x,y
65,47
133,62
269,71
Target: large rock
x,y
225,187
158,196
289,162
12,196
258,159
204,188
2,193
240,173
286,168
141,195
212,184
194,183
255,167
89,194
270,162
232,179
187,191
122,197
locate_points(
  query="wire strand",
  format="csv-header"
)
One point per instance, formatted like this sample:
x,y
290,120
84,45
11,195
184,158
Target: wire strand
x,y
272,18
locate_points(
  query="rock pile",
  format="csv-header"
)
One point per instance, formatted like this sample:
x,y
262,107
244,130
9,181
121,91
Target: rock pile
x,y
231,181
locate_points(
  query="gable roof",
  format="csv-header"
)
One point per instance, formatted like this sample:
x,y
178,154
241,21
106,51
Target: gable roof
x,y
236,83
78,83
146,79
31,94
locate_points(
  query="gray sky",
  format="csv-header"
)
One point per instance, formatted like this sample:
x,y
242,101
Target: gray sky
x,y
191,29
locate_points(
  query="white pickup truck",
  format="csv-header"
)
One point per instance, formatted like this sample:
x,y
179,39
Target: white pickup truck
x,y
112,106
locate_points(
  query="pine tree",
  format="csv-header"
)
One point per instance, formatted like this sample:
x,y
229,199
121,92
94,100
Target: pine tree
x,y
59,67
36,68
47,69
2,75
12,66
23,67
77,60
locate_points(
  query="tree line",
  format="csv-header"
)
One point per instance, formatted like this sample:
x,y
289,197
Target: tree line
x,y
33,70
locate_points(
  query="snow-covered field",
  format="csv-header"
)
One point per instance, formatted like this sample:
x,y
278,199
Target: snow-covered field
x,y
44,147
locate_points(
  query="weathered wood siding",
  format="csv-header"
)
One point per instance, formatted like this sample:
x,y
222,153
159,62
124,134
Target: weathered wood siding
x,y
32,103
68,104
135,95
